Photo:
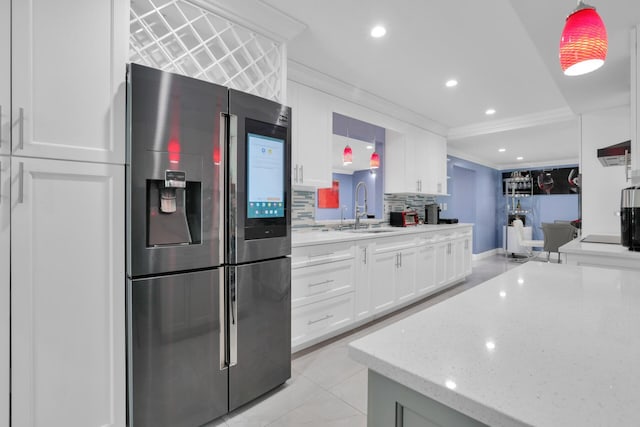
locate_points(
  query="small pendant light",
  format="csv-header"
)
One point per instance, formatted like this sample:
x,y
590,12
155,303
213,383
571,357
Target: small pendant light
x,y
374,163
583,44
347,155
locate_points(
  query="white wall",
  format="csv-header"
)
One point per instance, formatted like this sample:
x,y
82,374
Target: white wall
x,y
601,185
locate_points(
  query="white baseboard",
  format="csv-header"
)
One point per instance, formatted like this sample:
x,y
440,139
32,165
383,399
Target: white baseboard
x,y
487,254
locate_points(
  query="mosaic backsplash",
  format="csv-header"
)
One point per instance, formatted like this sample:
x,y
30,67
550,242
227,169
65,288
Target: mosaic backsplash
x,y
304,207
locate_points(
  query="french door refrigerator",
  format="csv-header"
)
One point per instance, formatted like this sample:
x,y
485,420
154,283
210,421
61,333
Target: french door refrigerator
x,y
208,239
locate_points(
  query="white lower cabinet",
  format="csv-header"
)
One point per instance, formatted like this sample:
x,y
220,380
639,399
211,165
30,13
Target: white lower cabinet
x,y
314,320
67,293
425,267
393,272
363,281
338,286
5,296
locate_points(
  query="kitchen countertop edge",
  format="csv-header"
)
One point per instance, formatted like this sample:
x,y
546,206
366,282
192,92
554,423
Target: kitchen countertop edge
x,y
301,238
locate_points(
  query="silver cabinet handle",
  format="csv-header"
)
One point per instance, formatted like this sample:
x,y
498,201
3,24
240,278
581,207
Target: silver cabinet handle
x,y
0,182
21,129
320,283
328,316
397,260
21,185
302,174
0,125
418,185
295,174
364,253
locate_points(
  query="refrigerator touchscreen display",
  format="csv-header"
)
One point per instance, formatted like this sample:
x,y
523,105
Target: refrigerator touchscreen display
x,y
265,177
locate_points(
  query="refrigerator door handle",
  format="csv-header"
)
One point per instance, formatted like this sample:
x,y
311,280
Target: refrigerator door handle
x,y
222,319
233,320
224,134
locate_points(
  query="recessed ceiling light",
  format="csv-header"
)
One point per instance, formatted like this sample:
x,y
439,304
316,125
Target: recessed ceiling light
x,y
451,83
369,147
378,31
519,158
490,112
502,150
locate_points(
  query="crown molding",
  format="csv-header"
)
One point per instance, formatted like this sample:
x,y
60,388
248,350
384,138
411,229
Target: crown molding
x,y
465,156
538,165
307,76
529,120
256,15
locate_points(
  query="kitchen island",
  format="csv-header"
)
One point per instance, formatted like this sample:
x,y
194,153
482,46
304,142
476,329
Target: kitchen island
x,y
592,252
540,345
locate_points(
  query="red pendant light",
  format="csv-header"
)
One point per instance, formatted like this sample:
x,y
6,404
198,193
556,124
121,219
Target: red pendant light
x,y
374,163
583,44
347,155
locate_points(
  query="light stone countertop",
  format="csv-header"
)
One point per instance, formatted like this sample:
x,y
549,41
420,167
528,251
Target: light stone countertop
x,y
301,237
540,345
598,249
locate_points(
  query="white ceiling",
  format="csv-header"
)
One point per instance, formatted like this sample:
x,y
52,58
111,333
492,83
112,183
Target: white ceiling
x,y
503,53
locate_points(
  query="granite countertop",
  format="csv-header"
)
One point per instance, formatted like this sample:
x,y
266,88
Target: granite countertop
x,y
577,246
306,238
540,345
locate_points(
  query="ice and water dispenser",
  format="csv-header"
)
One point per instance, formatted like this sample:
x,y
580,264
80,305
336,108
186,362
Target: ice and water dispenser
x,y
174,210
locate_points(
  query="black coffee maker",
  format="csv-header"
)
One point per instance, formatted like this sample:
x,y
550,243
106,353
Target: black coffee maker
x,y
432,213
630,218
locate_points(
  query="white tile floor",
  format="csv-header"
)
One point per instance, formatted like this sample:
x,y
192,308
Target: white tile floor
x,y
329,389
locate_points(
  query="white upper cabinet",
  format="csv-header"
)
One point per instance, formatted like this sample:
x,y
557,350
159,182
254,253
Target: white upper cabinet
x,y
416,162
68,78
312,136
5,77
67,293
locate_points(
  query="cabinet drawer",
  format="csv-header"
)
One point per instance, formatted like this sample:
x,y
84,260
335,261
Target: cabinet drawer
x,y
394,244
321,254
314,320
317,282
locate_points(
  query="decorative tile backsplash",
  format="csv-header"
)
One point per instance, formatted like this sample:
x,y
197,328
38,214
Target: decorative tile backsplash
x,y
304,207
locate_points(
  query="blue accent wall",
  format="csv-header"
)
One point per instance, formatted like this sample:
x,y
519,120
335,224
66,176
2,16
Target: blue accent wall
x,y
473,199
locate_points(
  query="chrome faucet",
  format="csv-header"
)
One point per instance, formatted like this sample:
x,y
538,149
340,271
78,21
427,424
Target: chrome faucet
x,y
356,209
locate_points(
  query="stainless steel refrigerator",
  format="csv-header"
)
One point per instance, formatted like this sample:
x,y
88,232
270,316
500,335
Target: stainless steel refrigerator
x,y
208,239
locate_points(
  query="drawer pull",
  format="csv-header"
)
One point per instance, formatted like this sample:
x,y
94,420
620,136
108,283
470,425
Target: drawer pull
x,y
320,283
319,255
328,316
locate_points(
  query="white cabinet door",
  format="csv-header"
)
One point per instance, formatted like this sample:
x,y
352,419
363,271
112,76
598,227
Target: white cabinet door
x,y
5,297
383,280
67,268
68,79
415,162
5,78
312,145
426,269
396,170
362,280
406,275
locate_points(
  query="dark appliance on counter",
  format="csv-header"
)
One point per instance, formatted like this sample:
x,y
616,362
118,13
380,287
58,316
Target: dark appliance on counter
x,y
630,218
431,213
403,219
448,221
208,239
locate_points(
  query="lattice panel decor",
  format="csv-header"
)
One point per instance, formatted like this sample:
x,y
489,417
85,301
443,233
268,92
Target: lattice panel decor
x,y
177,36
